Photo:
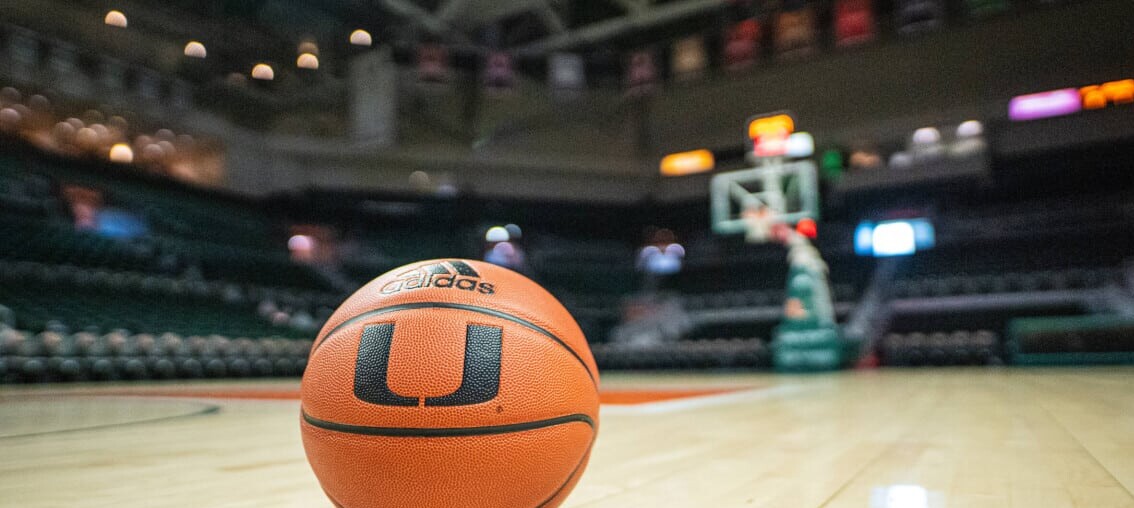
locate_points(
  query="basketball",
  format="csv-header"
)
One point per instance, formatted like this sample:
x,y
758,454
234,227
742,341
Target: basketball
x,y
449,383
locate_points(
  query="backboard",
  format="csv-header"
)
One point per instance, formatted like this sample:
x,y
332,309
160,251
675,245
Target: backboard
x,y
789,190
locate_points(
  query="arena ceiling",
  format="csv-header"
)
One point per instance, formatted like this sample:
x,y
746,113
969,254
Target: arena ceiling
x,y
237,32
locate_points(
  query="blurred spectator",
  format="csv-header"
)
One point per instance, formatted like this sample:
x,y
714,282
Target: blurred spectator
x,y
502,247
864,157
661,257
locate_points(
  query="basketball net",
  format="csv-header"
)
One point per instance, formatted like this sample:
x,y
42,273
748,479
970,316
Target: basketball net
x,y
757,223
763,225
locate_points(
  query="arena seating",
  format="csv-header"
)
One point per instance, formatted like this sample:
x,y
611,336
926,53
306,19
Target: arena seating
x,y
700,354
55,241
22,192
80,298
742,295
209,290
960,347
117,355
986,286
219,235
209,271
1003,282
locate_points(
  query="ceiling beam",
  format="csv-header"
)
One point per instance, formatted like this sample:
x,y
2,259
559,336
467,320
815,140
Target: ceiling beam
x,y
425,19
450,9
550,18
607,29
632,6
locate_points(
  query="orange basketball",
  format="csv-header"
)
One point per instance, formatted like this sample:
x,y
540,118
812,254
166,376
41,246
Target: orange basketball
x,y
449,383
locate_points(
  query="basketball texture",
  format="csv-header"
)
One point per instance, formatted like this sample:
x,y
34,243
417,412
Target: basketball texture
x,y
449,383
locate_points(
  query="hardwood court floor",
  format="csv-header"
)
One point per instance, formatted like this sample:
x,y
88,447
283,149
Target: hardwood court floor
x,y
1020,438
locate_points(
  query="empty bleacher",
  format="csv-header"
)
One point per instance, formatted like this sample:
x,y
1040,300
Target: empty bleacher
x,y
1041,265
101,300
938,349
212,279
207,291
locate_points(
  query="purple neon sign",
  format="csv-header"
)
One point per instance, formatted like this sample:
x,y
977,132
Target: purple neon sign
x,y
1045,104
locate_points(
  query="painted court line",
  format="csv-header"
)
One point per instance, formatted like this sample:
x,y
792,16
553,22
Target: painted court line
x,y
688,403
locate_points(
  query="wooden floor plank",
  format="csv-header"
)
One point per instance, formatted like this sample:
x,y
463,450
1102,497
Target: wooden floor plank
x,y
1060,438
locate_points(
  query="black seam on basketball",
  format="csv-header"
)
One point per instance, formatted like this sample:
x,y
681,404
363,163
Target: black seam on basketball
x,y
578,469
459,306
446,431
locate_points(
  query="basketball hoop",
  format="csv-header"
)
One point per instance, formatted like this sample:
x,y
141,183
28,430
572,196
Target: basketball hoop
x,y
777,201
750,201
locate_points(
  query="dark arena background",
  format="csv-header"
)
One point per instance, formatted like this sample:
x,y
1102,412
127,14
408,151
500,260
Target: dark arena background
x,y
825,253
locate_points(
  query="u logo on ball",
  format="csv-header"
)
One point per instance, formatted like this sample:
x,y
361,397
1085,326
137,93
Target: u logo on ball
x,y
479,383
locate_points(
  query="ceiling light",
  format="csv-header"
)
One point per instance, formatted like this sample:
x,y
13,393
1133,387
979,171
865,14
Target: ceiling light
x,y
361,37
115,18
122,153
263,72
307,61
195,49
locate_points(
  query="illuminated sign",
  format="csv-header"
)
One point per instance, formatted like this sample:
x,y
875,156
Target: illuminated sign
x,y
687,163
1066,101
1045,105
770,125
1116,92
799,144
893,237
769,134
